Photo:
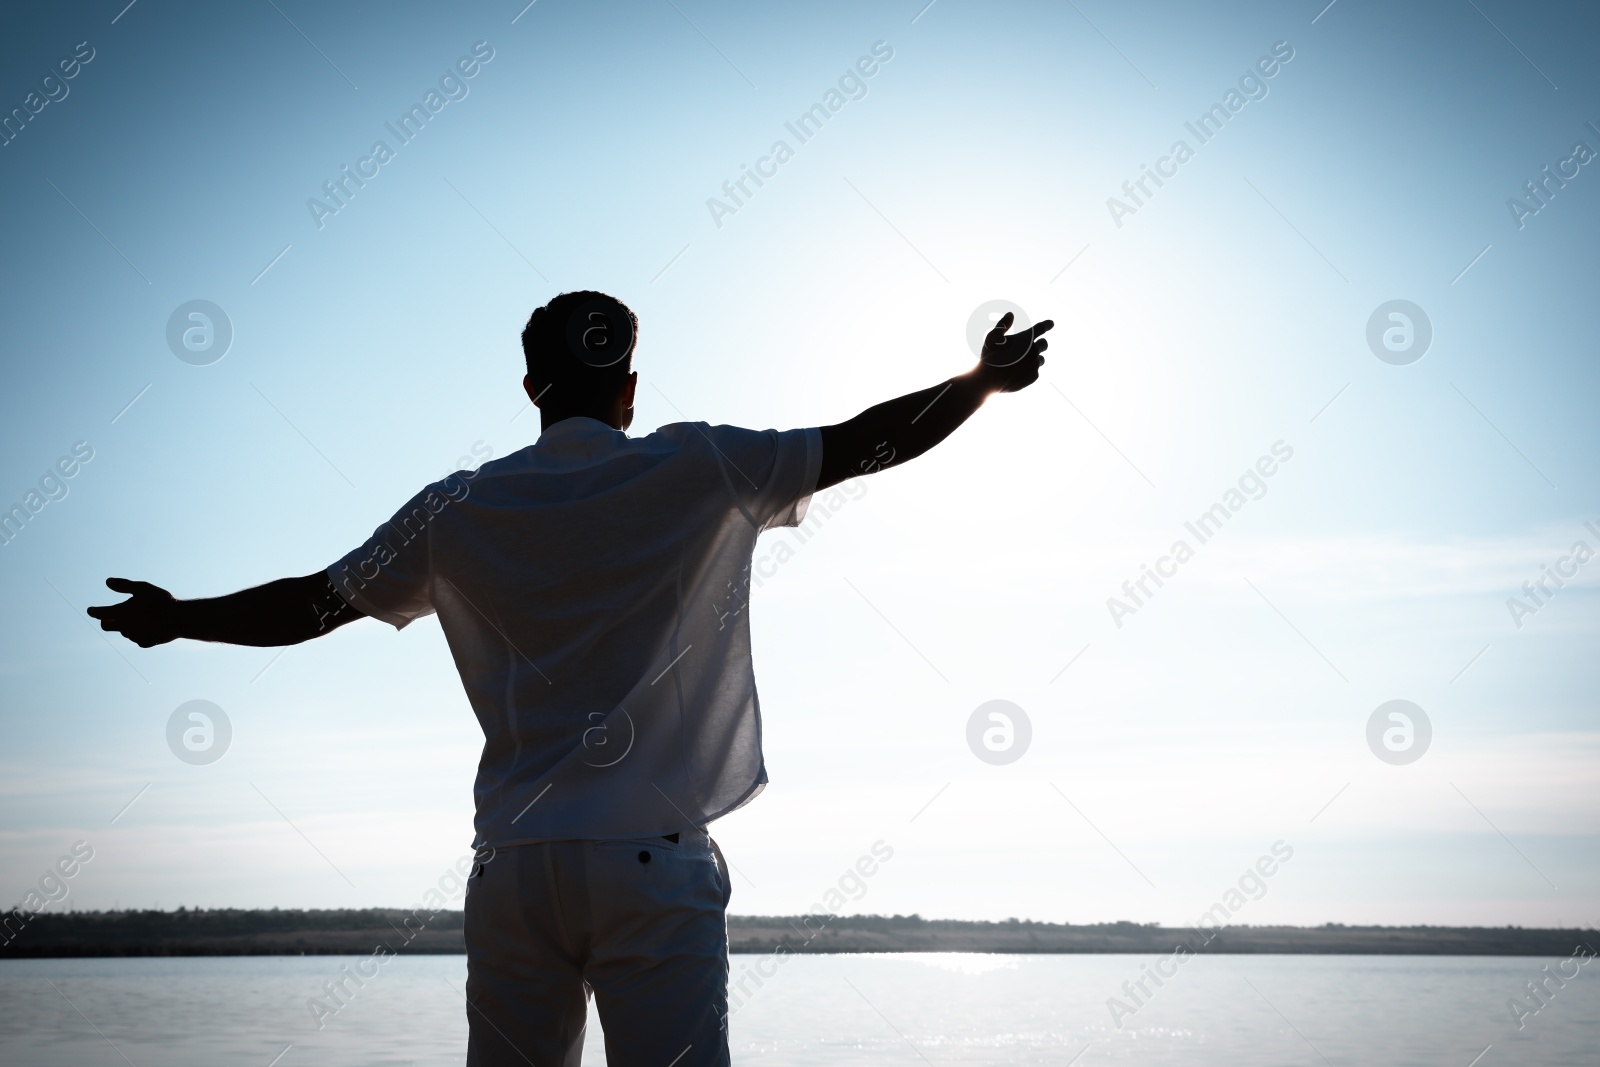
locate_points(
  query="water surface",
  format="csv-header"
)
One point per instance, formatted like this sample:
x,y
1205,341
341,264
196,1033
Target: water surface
x,y
913,1009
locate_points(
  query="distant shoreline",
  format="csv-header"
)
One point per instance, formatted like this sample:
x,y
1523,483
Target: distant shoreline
x,y
276,932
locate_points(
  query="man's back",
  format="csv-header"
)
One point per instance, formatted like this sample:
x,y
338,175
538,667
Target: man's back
x,y
592,588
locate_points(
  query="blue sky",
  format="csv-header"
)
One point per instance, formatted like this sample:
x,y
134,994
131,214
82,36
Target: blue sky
x,y
1229,313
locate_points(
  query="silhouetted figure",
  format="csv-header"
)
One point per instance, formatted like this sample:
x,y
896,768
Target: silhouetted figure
x,y
592,588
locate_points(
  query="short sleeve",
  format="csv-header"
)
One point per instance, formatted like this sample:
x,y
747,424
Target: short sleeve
x,y
390,575
772,473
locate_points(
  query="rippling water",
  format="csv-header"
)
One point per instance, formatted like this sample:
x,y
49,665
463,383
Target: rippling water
x,y
914,1009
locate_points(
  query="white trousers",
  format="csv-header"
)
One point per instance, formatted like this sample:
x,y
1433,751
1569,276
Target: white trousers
x,y
639,924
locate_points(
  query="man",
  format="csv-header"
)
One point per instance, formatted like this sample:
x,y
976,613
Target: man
x,y
592,589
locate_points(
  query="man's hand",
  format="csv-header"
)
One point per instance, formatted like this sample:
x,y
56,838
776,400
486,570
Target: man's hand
x,y
284,612
904,428
148,617
1012,363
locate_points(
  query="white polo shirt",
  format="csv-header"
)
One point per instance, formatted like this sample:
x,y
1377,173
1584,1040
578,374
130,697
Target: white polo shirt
x,y
593,590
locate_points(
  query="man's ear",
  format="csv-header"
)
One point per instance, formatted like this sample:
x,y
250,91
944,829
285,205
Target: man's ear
x,y
527,387
627,399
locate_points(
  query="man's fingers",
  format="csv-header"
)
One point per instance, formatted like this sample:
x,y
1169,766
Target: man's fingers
x,y
110,618
997,332
1035,332
1005,321
1025,347
1031,334
131,587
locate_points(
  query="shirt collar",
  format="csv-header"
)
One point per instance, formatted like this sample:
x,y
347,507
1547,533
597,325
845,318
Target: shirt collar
x,y
578,441
576,428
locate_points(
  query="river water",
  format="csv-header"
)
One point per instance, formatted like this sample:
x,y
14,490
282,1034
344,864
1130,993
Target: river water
x,y
913,1009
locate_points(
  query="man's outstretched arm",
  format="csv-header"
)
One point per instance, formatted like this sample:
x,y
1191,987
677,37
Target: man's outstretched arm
x,y
284,612
893,432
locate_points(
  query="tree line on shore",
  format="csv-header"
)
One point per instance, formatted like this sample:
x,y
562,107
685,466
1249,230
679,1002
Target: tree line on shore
x,y
337,931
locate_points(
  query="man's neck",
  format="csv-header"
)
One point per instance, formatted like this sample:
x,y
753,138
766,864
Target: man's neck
x,y
548,419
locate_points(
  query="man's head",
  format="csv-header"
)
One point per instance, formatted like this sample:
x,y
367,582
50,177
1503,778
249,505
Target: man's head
x,y
579,351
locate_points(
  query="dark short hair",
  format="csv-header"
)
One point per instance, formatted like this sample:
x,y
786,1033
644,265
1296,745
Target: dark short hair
x,y
581,346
